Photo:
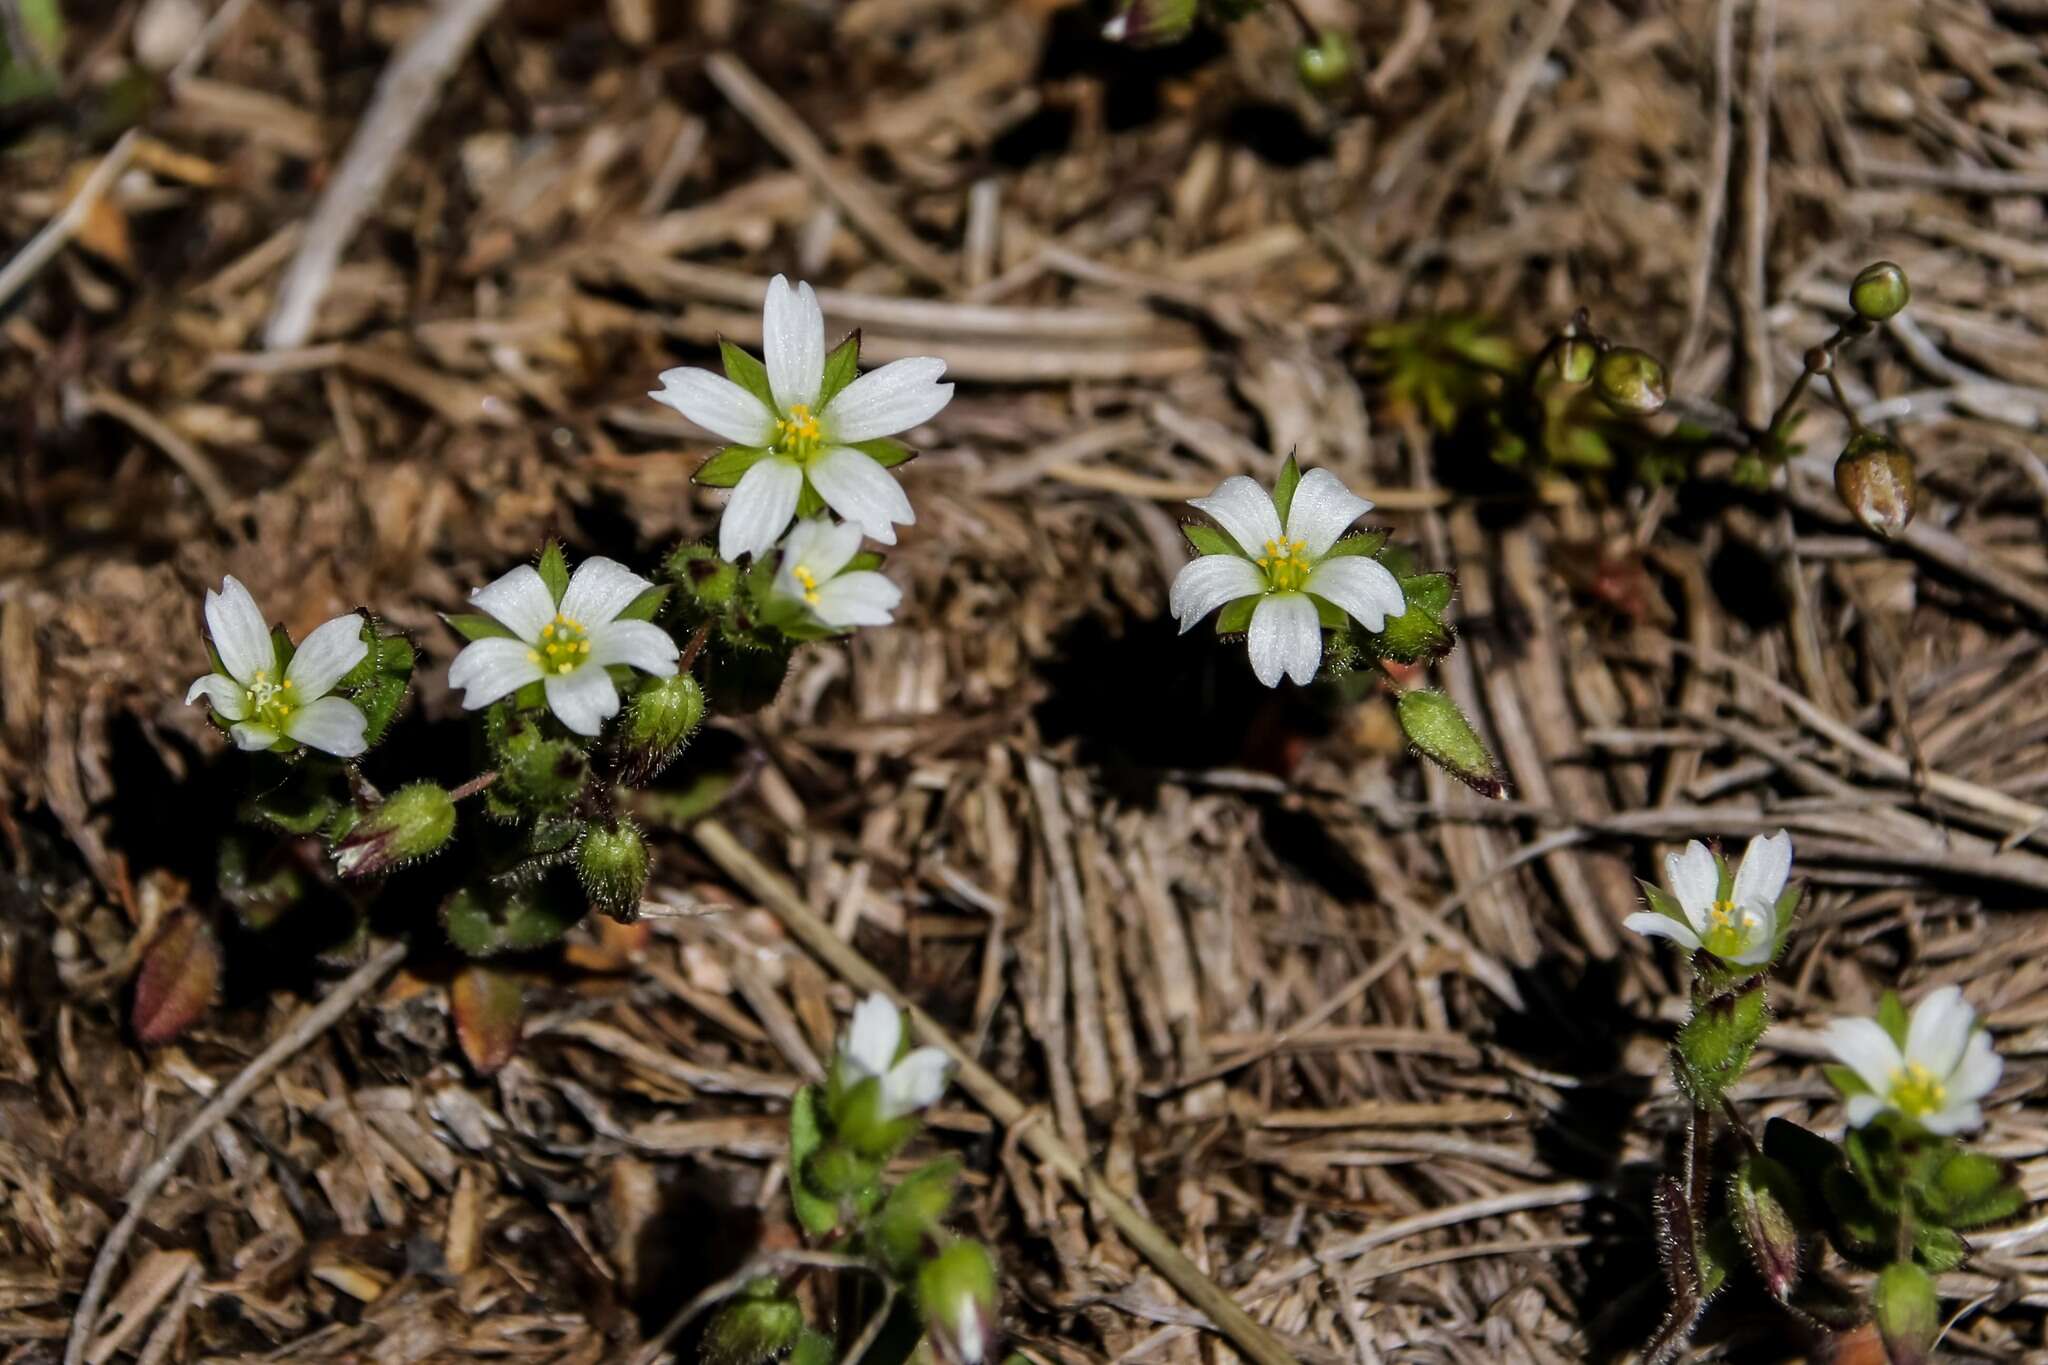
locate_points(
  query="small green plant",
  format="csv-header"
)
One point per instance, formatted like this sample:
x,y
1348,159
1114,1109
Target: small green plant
x,y
1894,1196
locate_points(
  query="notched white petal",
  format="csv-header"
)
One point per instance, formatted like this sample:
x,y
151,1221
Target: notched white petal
x,y
1286,639
1865,1048
861,598
1695,880
582,699
599,590
222,693
637,644
519,601
1361,588
1321,509
863,492
870,1042
327,654
915,1082
332,725
718,405
793,343
896,398
1210,582
1650,924
1245,512
760,508
486,670
240,634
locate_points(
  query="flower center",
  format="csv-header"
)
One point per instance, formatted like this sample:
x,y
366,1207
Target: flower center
x,y
1286,564
808,581
1727,932
1917,1092
798,435
271,702
564,644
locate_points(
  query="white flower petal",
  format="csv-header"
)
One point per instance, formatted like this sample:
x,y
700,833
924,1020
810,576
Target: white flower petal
x,y
1766,863
1760,937
1695,879
860,598
1286,638
249,735
718,405
240,634
1650,924
1362,587
916,1081
599,590
862,491
1321,510
760,508
1865,1048
582,699
519,601
969,1340
1977,1073
226,696
822,546
1957,1118
1245,512
870,1042
901,395
640,644
486,670
793,343
1864,1108
1939,1029
331,724
324,656
1208,582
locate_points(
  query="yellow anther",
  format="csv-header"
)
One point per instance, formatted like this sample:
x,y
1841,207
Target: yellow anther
x,y
565,668
1917,1092
533,656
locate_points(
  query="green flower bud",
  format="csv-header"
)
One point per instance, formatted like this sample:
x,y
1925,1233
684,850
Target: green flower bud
x,y
1874,479
1151,23
410,824
1880,292
864,1123
613,866
760,1324
909,1219
1440,733
1908,1314
956,1292
1575,360
836,1171
1764,1198
538,773
1630,381
662,716
1325,64
703,577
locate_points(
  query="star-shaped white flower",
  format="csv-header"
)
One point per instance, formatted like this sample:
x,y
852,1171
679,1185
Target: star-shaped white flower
x,y
1937,1079
809,436
869,1047
813,572
1743,929
1287,567
566,646
266,705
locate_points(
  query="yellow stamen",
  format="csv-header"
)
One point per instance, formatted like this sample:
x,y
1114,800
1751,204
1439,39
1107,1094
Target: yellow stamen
x,y
1917,1092
799,435
567,641
1286,564
808,581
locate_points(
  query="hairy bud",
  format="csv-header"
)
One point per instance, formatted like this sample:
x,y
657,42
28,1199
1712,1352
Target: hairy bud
x,y
662,716
1630,381
1874,479
1151,23
412,823
612,864
956,1290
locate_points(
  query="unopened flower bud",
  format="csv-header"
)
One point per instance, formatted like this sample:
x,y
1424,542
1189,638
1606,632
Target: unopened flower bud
x,y
703,577
1763,1197
536,772
165,30
1440,733
956,1290
760,1323
1151,23
662,716
613,866
1630,381
1874,479
1575,360
1326,63
1880,292
411,823
1908,1314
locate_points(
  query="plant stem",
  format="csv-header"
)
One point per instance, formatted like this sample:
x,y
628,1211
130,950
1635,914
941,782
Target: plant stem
x,y
475,784
693,648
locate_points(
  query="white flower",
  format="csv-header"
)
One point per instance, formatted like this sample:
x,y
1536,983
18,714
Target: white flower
x,y
807,440
1743,929
265,705
566,646
1287,568
1945,1068
814,560
869,1048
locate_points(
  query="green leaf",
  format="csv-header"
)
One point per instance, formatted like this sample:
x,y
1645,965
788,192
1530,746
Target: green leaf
x,y
681,809
477,626
1440,733
1361,543
644,607
1844,1079
726,466
840,368
1891,1017
306,799
885,451
1863,1232
1664,903
818,1214
814,1348
379,700
1236,617
1714,1046
1415,636
554,570
1969,1190
1208,540
910,1217
747,372
484,920
1767,1206
756,1327
1430,591
1284,486
1939,1249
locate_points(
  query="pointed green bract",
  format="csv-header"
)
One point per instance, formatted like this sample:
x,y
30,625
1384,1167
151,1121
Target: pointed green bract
x,y
1283,488
1236,617
1208,540
477,626
554,570
841,367
726,467
747,372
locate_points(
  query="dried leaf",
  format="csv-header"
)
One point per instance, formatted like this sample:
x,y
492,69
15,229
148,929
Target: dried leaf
x,y
489,1008
180,979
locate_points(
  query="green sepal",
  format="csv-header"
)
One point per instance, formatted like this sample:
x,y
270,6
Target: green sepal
x,y
1208,540
863,1126
727,465
1892,1018
485,920
475,626
885,451
1664,903
646,606
554,570
867,561
1329,615
1360,543
747,372
1236,617
1769,1211
379,700
909,1219
809,501
1845,1079
757,1326
818,1214
1418,635
1714,1046
1284,486
840,368
1440,733
1940,1249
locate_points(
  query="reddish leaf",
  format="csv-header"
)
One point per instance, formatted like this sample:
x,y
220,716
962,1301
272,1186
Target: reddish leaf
x,y
489,1008
180,978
